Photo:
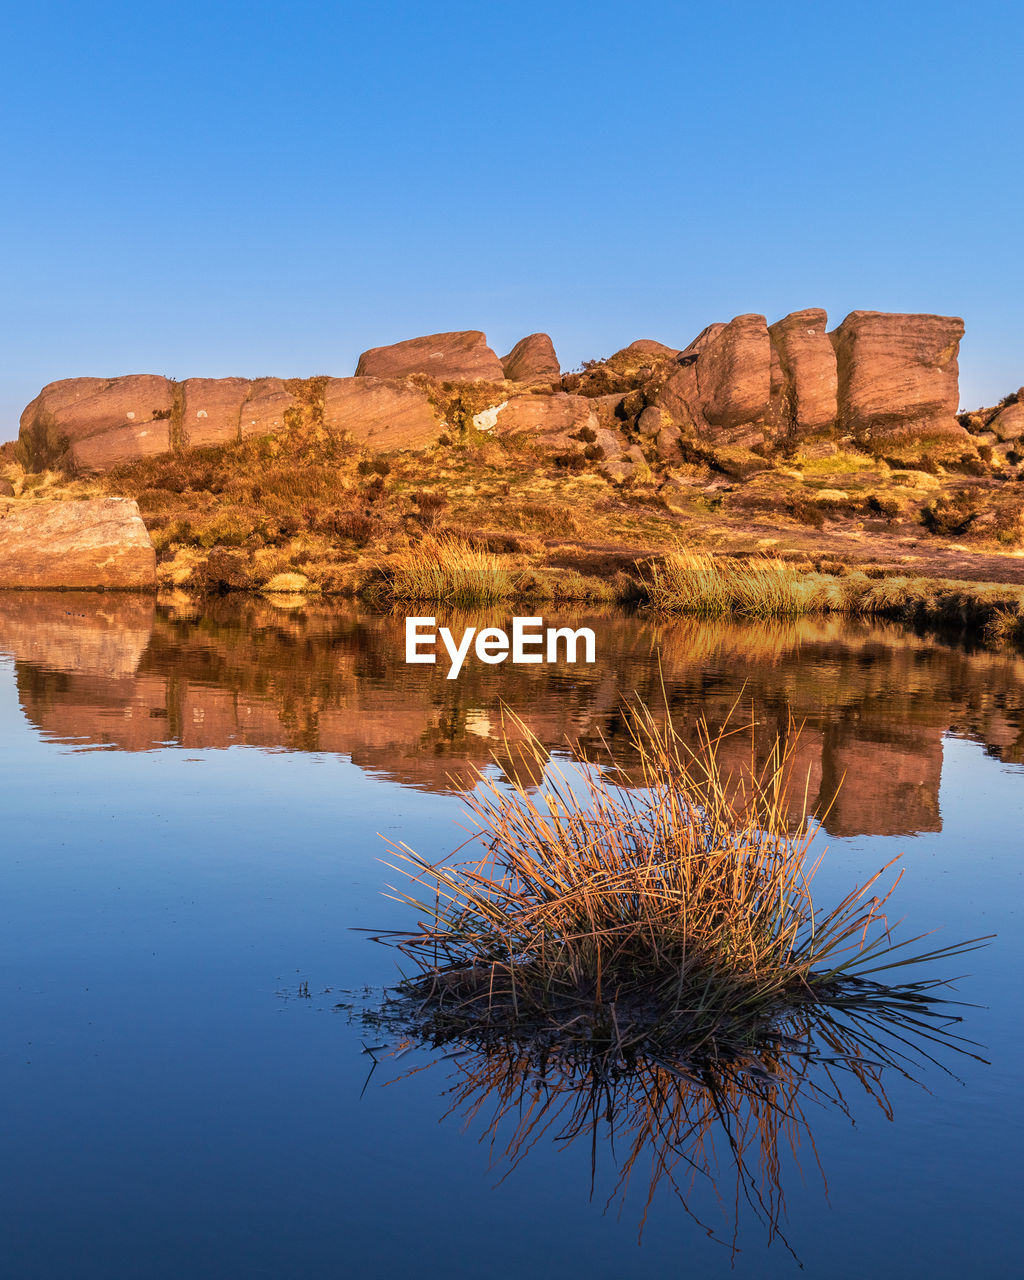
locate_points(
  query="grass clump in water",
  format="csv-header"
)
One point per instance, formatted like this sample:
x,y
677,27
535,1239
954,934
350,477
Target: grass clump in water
x,y
669,920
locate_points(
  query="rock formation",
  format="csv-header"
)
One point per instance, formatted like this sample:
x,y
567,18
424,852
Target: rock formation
x,y
738,392
96,543
532,360
898,381
385,413
806,385
449,357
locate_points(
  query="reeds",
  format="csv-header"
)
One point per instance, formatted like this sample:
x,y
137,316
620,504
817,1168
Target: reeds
x,y
671,918
698,584
702,585
450,571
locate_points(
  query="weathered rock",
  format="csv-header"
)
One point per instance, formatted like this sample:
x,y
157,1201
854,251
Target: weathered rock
x,y
651,421
263,412
609,411
532,360
74,409
211,411
895,370
6,488
679,397
555,418
647,347
124,444
385,413
734,374
1008,424
808,387
96,543
463,356
706,336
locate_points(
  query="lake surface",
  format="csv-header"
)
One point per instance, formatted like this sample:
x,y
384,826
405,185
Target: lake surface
x,y
194,798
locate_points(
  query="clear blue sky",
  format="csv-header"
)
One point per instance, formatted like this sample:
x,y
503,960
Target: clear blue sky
x,y
254,188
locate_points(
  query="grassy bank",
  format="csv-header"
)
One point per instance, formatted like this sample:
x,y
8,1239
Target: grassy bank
x,y
701,585
477,521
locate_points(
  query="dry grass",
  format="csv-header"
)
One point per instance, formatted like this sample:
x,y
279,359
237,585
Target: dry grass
x,y
672,919
697,584
450,571
701,585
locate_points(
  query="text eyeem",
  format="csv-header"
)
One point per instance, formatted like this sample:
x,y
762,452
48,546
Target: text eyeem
x,y
530,641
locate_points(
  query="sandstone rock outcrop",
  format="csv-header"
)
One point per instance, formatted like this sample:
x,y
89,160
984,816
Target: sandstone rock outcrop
x,y
532,360
212,410
889,381
898,379
96,543
385,413
808,385
555,417
263,412
647,347
67,414
734,374
1008,423
463,356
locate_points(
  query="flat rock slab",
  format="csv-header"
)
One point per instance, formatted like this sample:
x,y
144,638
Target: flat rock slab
x,y
95,544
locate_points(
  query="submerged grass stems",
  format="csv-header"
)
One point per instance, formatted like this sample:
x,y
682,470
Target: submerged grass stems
x,y
670,919
449,570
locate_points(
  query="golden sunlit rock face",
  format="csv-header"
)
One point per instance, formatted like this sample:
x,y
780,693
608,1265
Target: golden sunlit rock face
x,y
887,379
96,543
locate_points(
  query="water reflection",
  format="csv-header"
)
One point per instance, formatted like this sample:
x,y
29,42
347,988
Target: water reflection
x,y
720,1138
132,674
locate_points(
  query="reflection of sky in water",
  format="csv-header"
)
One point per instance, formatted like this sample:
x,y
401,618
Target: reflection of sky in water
x,y
167,1114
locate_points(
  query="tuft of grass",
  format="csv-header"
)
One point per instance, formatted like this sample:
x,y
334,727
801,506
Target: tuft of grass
x,y
701,585
670,918
448,570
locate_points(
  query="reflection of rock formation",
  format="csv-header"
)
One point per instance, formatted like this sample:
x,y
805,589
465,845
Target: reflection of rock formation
x,y
874,701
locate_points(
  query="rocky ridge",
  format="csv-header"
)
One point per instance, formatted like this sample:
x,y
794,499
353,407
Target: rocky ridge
x,y
739,395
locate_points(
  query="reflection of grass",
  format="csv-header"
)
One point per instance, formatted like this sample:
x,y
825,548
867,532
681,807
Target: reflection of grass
x,y
696,1128
675,917
448,570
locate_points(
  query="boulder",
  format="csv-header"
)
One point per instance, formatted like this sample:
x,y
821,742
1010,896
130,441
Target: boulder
x,y
386,413
556,419
532,359
896,369
734,373
263,412
75,409
463,356
679,397
211,410
647,347
6,488
807,385
1008,424
97,543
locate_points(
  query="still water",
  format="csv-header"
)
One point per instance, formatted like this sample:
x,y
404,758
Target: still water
x,y
194,798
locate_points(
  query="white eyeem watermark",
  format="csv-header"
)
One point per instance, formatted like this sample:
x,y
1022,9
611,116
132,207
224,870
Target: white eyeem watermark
x,y
530,641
